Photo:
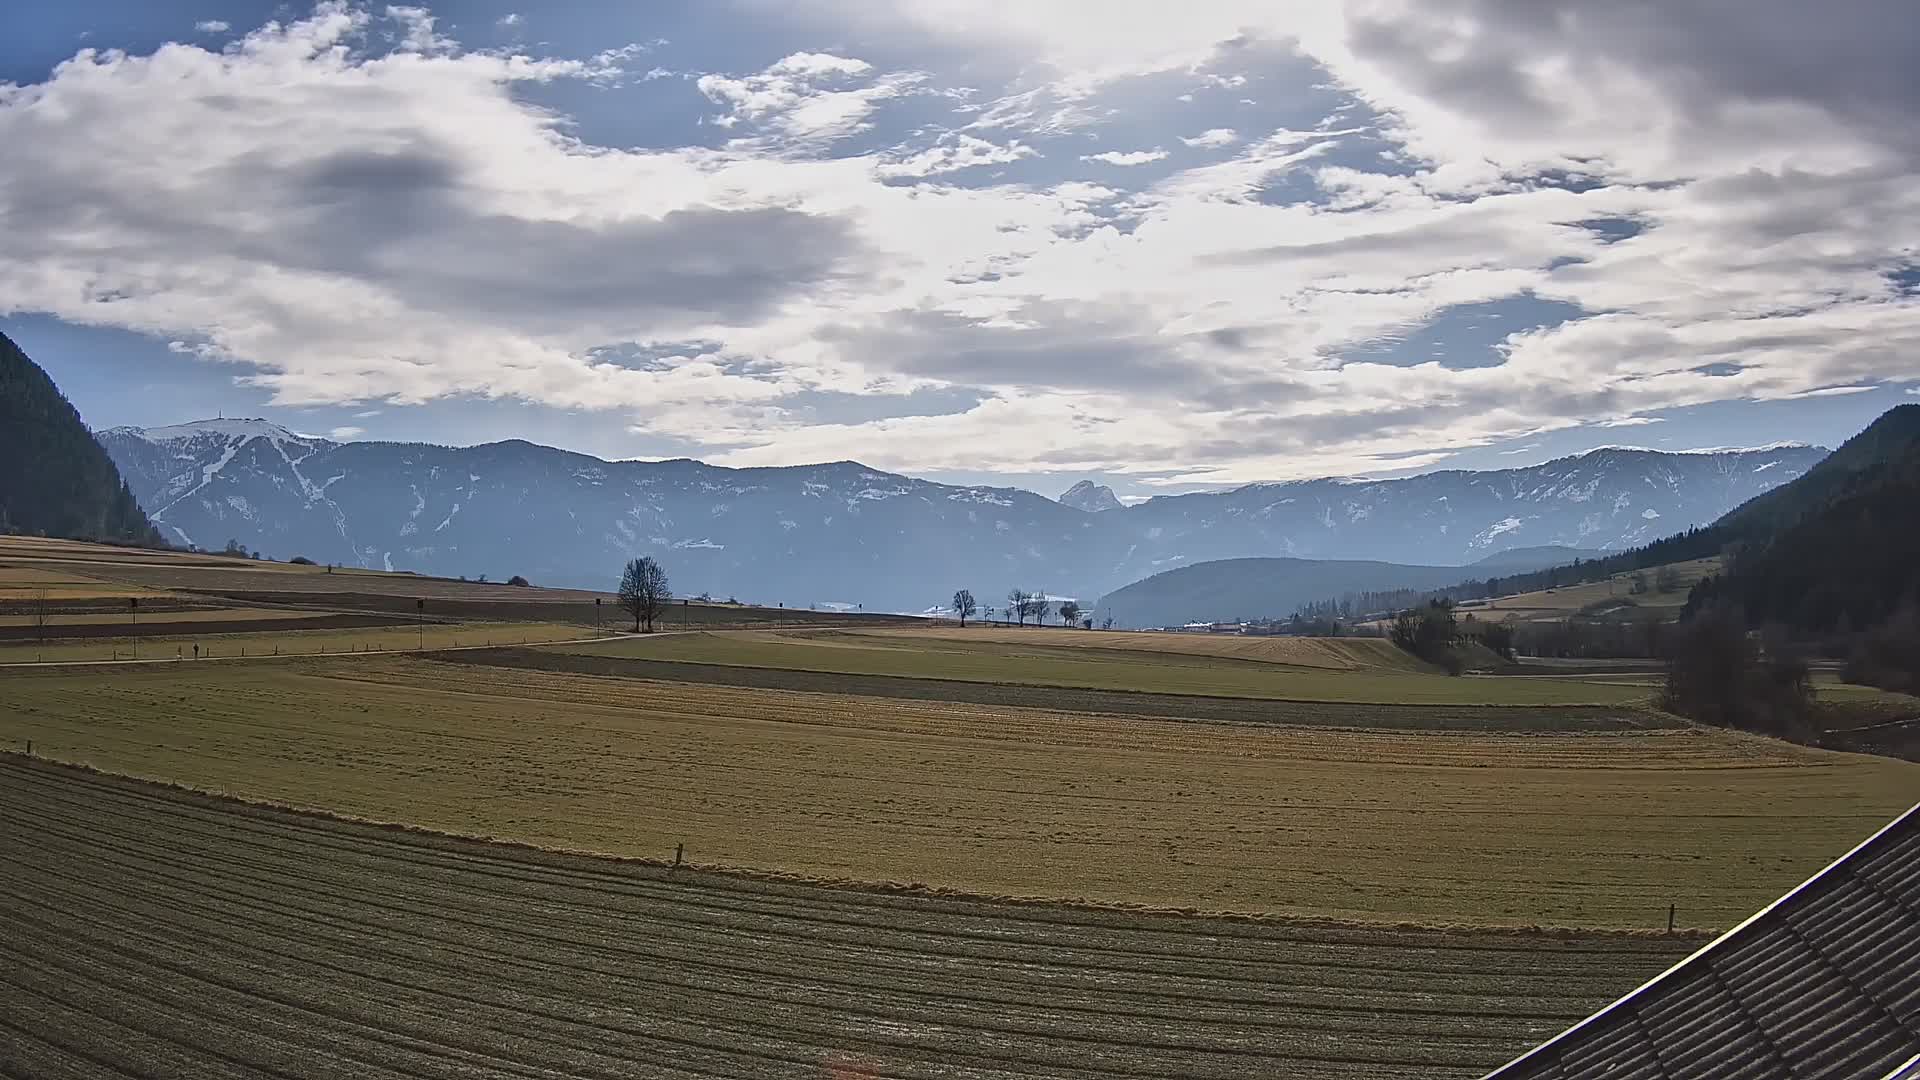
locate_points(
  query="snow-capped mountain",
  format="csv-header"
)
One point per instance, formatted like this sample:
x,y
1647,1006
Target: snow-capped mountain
x,y
842,532
1091,497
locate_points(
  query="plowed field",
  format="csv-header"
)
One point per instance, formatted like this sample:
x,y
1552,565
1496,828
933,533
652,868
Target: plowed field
x,y
160,934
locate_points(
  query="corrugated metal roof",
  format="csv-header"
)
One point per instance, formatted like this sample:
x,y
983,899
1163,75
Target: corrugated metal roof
x,y
1823,984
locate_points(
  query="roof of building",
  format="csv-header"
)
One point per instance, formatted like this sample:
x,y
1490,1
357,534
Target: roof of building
x,y
1823,984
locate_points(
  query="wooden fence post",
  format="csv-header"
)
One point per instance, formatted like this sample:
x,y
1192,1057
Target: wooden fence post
x,y
679,850
1670,918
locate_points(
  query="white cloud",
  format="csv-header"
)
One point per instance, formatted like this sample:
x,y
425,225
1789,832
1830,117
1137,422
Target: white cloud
x,y
407,227
511,18
1128,157
964,152
806,98
1213,138
345,432
212,26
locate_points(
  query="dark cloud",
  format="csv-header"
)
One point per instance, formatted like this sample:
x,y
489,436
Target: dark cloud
x,y
1853,59
403,219
1060,347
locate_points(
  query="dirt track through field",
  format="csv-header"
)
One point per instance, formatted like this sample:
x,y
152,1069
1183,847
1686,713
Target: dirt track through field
x,y
157,933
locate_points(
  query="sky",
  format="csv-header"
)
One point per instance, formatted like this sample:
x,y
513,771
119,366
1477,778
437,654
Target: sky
x,y
1162,246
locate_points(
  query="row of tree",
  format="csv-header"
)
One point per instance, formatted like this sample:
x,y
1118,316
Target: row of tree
x,y
1021,606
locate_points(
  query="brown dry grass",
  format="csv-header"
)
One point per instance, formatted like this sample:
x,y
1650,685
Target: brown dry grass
x,y
1336,654
1590,830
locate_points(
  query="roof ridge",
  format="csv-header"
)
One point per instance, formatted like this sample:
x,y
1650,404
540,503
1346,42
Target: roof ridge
x,y
1910,820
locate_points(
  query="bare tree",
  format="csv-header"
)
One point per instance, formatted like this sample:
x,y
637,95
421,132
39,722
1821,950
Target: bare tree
x,y
1037,605
644,591
1069,612
1017,604
41,615
964,606
1667,579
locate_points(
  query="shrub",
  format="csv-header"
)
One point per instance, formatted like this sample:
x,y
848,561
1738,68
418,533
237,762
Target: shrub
x,y
301,560
517,580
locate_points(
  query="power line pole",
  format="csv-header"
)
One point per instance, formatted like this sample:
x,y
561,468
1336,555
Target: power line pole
x,y
420,608
133,605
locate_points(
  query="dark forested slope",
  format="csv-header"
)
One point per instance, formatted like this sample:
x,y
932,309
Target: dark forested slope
x,y
55,480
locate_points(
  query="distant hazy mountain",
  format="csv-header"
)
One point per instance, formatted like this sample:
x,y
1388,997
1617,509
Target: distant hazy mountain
x,y
54,478
1257,588
842,532
1091,497
1525,560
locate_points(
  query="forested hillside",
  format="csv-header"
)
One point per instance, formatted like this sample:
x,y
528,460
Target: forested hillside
x,y
55,480
1837,551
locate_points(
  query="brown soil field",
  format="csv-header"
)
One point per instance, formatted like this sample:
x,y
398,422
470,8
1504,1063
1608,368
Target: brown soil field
x,y
539,605
262,638
1028,664
158,933
1556,718
1337,654
256,621
1598,830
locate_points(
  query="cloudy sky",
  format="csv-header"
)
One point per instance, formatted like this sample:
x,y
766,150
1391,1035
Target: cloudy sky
x,y
1162,245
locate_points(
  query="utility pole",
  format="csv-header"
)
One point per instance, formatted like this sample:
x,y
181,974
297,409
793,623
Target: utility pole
x,y
133,605
420,608
596,614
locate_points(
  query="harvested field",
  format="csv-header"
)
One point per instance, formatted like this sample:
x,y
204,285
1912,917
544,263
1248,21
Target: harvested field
x,y
915,656
172,935
540,605
347,633
1333,654
1573,830
1232,710
198,624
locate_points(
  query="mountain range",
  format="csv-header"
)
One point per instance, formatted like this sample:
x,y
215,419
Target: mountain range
x,y
845,533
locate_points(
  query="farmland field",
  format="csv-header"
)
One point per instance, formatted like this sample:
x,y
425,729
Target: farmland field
x,y
162,934
912,654
165,638
1554,604
1333,654
1590,830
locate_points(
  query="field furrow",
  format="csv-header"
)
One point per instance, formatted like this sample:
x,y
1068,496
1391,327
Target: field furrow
x,y
169,934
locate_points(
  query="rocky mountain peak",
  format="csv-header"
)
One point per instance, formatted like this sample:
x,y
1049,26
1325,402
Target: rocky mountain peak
x,y
1091,497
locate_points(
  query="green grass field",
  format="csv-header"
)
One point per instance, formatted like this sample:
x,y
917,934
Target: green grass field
x,y
933,656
